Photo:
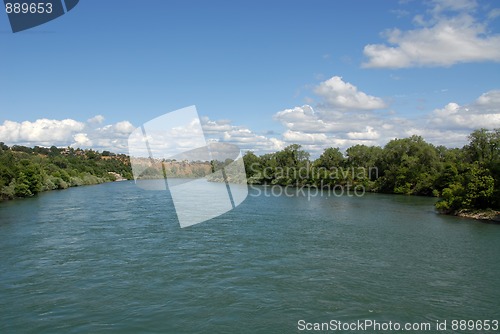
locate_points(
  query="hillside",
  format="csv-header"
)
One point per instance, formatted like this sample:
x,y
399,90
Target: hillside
x,y
27,171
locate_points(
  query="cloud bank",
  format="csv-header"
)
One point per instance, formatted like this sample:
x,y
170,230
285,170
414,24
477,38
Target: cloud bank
x,y
67,132
449,34
344,116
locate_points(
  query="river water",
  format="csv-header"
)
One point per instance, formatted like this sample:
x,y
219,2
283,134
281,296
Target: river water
x,y
112,258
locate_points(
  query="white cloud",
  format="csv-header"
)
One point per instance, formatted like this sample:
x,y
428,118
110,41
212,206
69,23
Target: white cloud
x,y
167,136
305,119
319,130
325,127
124,127
482,113
451,36
81,140
313,128
305,138
488,102
67,132
41,132
214,127
98,119
245,138
248,140
368,134
344,95
439,136
303,125
346,117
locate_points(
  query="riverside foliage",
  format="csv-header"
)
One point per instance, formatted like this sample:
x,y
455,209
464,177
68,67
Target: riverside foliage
x,y
466,178
25,171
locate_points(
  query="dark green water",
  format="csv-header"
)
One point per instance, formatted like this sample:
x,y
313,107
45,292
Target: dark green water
x,y
112,258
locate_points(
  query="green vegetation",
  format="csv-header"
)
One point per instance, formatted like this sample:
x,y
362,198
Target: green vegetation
x,y
25,171
465,179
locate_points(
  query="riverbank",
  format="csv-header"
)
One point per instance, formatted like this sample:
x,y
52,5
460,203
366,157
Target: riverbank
x,y
491,216
25,172
90,182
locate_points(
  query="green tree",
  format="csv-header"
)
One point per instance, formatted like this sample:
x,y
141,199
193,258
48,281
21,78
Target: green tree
x,y
22,187
451,198
363,156
484,146
479,188
449,175
3,147
253,167
54,151
409,166
32,176
330,158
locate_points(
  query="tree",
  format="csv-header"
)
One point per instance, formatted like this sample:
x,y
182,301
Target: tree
x,y
3,147
289,162
19,148
253,167
32,176
330,158
449,175
54,151
484,146
363,156
6,174
93,155
409,166
366,161
472,182
479,188
22,187
41,150
451,198
292,156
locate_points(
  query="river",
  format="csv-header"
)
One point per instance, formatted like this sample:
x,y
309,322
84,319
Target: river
x,y
112,258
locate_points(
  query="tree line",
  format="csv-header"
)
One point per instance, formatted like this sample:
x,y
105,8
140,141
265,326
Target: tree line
x,y
26,171
466,178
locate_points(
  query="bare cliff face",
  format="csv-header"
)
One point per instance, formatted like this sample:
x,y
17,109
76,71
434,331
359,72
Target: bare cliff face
x,y
152,169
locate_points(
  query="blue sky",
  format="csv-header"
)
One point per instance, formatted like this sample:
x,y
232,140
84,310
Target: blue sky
x,y
263,74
